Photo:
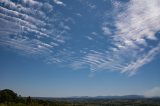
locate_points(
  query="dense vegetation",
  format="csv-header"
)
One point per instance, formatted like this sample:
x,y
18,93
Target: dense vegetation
x,y
10,98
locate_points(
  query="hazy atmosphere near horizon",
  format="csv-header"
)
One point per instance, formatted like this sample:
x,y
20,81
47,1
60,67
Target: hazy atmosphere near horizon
x,y
64,48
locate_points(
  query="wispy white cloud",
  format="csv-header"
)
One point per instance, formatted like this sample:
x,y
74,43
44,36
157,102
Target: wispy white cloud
x,y
90,5
154,92
106,30
142,60
31,26
89,37
28,46
79,15
139,22
34,27
59,2
94,33
134,23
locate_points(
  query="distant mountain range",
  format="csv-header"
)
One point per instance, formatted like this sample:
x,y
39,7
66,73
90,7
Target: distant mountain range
x,y
112,97
97,97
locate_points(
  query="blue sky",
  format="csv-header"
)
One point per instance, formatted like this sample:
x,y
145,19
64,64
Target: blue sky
x,y
61,48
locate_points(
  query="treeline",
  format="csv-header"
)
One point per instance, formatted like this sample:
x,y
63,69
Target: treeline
x,y
10,98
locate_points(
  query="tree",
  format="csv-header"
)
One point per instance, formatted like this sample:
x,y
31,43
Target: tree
x,y
28,100
7,95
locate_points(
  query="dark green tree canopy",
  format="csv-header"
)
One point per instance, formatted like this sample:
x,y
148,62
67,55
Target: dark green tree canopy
x,y
7,95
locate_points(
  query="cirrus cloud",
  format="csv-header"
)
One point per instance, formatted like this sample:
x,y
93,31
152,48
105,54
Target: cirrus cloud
x,y
37,28
135,24
31,26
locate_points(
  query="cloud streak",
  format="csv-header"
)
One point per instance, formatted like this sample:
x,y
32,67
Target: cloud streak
x,y
58,2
